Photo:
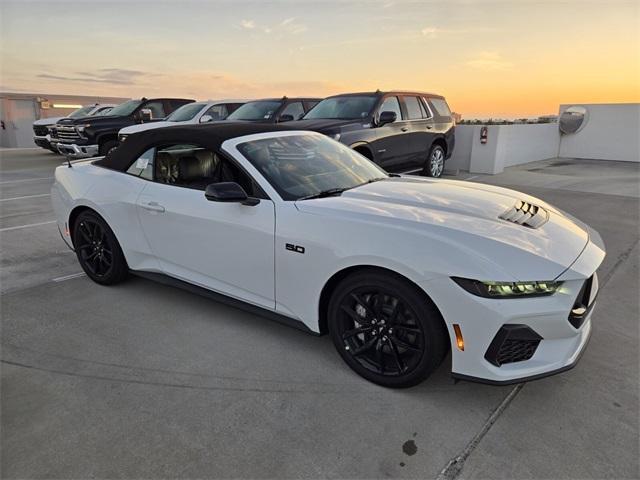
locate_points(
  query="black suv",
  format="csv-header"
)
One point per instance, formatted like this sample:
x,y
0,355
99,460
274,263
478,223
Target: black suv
x,y
397,130
90,136
274,110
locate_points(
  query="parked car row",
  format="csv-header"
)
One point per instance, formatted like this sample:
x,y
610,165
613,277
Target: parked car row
x,y
397,130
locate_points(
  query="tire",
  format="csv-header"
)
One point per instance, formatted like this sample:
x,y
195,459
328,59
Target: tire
x,y
434,166
396,343
98,250
106,147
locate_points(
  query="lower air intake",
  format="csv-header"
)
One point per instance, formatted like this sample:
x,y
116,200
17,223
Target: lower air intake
x,y
512,343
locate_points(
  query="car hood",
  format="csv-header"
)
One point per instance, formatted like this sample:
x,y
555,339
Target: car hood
x,y
147,126
48,121
93,120
465,215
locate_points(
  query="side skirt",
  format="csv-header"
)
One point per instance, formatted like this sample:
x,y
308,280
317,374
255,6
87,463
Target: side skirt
x,y
219,297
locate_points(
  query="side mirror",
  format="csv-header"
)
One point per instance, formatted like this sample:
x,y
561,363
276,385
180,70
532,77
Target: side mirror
x,y
205,118
229,192
387,117
145,115
286,118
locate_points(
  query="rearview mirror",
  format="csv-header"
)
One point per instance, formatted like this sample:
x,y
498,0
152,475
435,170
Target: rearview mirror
x,y
229,192
205,118
286,118
387,117
145,115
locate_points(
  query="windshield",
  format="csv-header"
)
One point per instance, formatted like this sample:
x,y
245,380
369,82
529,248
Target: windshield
x,y
125,108
299,166
185,112
81,112
103,112
263,110
343,108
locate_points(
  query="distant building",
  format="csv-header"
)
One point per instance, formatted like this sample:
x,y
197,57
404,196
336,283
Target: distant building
x,y
18,111
548,119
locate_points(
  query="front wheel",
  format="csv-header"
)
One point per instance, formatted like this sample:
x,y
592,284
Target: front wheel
x,y
385,329
98,250
435,162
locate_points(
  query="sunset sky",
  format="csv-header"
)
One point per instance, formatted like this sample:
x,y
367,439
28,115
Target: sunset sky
x,y
489,58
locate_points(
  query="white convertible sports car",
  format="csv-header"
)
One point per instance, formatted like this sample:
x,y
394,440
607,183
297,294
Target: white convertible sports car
x,y
397,270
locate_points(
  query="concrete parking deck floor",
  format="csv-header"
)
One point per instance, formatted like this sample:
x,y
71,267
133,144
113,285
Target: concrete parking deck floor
x,y
147,381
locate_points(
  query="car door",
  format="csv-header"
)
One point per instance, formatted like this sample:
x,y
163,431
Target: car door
x,y
390,147
226,247
421,131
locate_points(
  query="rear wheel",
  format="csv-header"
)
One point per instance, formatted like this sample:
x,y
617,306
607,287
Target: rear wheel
x,y
385,329
98,251
435,162
107,146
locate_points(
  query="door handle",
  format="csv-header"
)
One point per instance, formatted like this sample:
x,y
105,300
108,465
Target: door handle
x,y
404,129
153,207
429,127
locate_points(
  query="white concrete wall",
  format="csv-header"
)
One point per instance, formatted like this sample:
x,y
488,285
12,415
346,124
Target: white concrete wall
x,y
509,145
527,143
610,133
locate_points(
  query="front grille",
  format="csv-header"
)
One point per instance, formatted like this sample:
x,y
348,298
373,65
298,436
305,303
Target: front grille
x,y
40,130
67,134
584,301
512,343
526,214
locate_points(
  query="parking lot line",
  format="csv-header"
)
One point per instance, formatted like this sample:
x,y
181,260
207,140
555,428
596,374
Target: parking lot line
x,y
68,277
25,197
25,180
18,227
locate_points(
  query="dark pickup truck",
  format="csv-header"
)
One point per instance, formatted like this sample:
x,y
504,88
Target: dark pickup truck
x,y
96,136
398,130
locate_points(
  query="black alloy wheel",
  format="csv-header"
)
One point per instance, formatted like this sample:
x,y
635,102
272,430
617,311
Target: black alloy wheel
x,y
98,250
381,328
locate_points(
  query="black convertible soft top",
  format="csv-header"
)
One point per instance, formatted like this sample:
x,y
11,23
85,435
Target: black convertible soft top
x,y
210,136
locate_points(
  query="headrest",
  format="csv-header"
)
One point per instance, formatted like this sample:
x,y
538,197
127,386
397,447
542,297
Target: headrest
x,y
190,168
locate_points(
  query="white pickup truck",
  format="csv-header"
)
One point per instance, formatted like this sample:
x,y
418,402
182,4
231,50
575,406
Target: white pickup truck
x,y
191,113
42,127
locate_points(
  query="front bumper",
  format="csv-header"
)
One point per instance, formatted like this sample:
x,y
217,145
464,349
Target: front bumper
x,y
42,142
78,151
481,321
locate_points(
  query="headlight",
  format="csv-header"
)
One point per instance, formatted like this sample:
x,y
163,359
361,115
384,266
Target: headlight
x,y
80,128
122,138
508,289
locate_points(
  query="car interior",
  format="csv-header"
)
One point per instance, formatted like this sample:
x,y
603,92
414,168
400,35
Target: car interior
x,y
195,167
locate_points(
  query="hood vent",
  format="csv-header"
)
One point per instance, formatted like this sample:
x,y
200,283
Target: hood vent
x,y
526,214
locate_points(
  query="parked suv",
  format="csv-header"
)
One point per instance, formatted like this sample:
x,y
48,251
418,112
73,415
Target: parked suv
x,y
190,113
92,136
41,128
274,110
397,130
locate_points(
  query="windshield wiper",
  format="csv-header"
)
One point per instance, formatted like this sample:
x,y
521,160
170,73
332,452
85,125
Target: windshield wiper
x,y
325,193
337,191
